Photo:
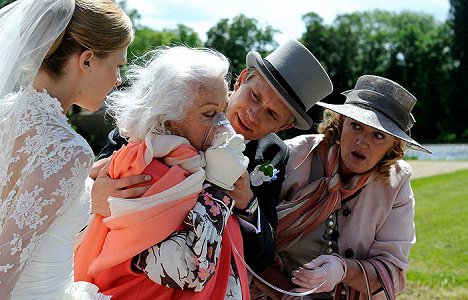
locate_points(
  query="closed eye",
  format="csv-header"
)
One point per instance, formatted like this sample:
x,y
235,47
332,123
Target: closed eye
x,y
256,97
273,115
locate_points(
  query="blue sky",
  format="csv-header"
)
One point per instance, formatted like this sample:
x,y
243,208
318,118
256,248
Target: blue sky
x,y
283,15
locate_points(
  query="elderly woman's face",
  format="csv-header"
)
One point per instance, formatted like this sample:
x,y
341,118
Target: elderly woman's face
x,y
208,100
362,147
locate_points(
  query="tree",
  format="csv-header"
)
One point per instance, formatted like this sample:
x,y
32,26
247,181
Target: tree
x,y
132,13
237,37
409,48
186,36
147,39
5,2
458,22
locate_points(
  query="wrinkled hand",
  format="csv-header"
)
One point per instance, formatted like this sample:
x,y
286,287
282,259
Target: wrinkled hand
x,y
225,162
330,269
242,194
104,186
97,167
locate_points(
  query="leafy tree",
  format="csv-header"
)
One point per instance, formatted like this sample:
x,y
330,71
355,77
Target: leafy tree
x,y
458,22
409,48
5,2
186,36
132,13
147,39
237,37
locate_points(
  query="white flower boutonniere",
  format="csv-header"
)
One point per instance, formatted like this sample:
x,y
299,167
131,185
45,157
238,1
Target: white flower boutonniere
x,y
264,172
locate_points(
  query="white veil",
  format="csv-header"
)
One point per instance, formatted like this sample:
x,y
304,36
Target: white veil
x,y
28,28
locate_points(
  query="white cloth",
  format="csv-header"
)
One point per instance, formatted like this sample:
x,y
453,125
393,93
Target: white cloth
x,y
225,162
44,202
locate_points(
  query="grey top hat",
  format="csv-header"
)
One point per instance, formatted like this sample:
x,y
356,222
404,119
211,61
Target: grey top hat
x,y
296,76
382,104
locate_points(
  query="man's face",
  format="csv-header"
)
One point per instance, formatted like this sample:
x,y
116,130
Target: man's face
x,y
255,110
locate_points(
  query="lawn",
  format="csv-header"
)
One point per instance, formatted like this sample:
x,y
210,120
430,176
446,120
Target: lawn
x,y
439,260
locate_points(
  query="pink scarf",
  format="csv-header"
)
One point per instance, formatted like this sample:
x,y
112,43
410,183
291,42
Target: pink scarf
x,y
104,255
316,201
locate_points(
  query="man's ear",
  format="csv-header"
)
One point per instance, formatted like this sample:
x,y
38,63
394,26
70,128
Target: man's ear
x,y
85,59
240,80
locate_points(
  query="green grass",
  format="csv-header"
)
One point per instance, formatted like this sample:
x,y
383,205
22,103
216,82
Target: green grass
x,y
439,260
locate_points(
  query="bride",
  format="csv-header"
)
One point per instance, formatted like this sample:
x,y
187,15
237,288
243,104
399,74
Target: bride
x,y
54,53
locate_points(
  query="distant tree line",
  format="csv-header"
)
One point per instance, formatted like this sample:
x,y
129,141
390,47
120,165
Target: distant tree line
x,y
427,57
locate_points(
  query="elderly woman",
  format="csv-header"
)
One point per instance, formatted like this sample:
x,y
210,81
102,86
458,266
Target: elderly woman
x,y
179,239
347,214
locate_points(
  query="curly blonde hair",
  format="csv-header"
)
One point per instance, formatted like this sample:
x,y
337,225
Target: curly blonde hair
x,y
331,127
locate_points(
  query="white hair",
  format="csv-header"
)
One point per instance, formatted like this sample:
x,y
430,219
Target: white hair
x,y
161,90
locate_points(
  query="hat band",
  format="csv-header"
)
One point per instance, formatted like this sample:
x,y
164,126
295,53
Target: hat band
x,y
384,105
289,90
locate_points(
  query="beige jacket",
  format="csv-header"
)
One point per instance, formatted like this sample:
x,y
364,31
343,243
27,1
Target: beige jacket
x,y
381,220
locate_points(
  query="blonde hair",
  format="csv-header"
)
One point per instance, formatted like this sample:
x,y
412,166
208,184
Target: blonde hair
x,y
97,25
331,127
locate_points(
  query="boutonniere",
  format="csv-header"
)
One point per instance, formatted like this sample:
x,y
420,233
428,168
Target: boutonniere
x,y
264,172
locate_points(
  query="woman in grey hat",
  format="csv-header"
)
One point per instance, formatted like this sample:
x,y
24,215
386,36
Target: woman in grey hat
x,y
347,214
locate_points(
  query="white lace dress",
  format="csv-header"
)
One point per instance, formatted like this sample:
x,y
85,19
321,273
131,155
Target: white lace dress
x,y
44,164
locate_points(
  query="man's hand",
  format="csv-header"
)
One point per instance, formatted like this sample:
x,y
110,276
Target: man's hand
x,y
242,193
104,186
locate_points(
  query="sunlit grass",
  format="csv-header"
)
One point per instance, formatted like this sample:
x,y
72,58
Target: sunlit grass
x,y
439,260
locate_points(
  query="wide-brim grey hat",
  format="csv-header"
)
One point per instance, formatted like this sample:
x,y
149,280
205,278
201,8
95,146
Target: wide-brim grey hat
x,y
382,104
296,76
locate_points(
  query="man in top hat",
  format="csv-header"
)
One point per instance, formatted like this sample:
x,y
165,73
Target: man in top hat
x,y
272,94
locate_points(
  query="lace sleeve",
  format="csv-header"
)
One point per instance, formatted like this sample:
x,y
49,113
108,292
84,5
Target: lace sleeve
x,y
46,171
187,259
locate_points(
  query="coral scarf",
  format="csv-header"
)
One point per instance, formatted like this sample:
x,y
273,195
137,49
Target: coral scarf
x,y
104,255
315,202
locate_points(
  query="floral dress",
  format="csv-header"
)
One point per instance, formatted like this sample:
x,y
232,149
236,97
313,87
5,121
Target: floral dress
x,y
187,259
44,202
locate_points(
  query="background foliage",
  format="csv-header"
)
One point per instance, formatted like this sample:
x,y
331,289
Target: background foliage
x,y
427,57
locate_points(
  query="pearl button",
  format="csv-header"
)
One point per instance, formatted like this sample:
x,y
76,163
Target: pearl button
x,y
330,223
329,250
329,231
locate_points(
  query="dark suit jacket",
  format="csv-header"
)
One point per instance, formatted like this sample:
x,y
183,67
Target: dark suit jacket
x,y
259,249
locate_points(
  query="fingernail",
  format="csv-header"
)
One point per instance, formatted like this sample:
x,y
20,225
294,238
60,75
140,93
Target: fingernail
x,y
147,177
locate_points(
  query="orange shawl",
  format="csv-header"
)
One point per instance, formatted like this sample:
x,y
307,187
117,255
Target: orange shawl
x,y
105,252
